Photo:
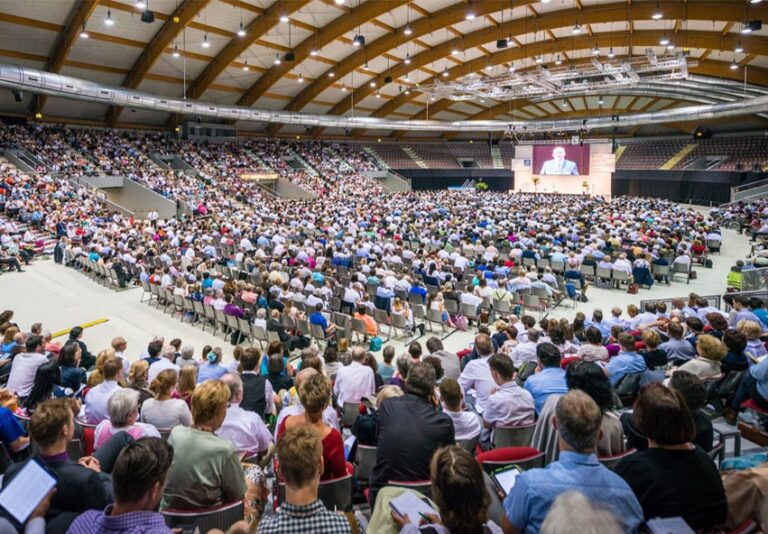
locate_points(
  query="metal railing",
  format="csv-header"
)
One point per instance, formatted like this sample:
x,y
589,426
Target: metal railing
x,y
754,279
745,191
712,300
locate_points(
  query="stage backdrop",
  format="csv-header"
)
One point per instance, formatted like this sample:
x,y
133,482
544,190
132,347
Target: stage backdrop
x,y
598,182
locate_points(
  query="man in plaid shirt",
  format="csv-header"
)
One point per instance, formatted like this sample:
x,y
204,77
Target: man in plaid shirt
x,y
300,455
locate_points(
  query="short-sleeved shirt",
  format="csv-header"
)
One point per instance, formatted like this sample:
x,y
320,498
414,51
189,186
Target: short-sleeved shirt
x,y
10,429
535,490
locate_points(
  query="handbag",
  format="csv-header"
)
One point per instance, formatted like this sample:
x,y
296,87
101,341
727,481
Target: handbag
x,y
633,289
376,344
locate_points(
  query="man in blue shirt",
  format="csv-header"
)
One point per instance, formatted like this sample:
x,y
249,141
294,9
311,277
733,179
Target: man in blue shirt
x,y
549,378
627,362
577,419
317,317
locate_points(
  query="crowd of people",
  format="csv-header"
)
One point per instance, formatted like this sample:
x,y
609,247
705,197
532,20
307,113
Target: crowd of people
x,y
221,430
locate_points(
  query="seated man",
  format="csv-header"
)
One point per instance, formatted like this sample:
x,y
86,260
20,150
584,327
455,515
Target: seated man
x,y
626,362
317,317
25,365
509,404
258,395
12,434
354,381
467,425
577,419
406,443
96,408
245,430
81,485
300,457
548,379
138,480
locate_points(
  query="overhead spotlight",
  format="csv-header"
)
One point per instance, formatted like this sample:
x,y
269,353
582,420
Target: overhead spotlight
x,y
407,60
176,51
206,44
372,84
378,94
611,54
408,30
246,68
84,33
331,74
141,5
734,66
670,46
576,30
388,79
343,88
407,91
300,79
489,67
339,2
284,18
502,43
739,49
664,41
751,26
539,59
277,60
445,72
290,56
558,61
359,40
657,15
407,78
455,52
433,99
595,51
470,15
600,101
241,31
511,68
108,21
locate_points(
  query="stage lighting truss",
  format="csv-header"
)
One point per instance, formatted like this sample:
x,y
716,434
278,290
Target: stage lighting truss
x,y
596,76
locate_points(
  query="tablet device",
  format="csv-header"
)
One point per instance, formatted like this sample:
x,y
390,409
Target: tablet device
x,y
26,490
505,478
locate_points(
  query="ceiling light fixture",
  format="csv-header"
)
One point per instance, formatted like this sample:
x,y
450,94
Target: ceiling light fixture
x,y
407,60
141,5
445,72
539,59
611,54
558,61
755,1
331,74
470,15
359,40
176,51
246,68
734,66
664,41
378,94
595,51
489,67
657,15
343,88
284,18
407,91
277,60
339,2
241,31
455,52
84,33
576,30
511,68
408,30
108,21
313,52
670,46
739,49
300,79
600,101
373,83
206,44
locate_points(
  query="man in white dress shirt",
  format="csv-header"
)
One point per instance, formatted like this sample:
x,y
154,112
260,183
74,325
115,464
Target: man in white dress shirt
x,y
244,429
354,381
165,362
95,408
25,365
510,404
467,425
476,376
525,351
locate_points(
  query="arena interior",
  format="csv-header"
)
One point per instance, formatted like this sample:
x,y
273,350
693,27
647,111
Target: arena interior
x,y
417,266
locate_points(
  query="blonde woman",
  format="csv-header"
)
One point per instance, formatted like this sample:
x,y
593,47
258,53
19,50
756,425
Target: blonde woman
x,y
186,384
97,377
137,380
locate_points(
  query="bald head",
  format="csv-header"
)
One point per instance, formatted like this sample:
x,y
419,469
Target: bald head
x,y
303,375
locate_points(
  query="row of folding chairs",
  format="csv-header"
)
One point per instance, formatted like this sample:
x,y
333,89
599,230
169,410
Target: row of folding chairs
x,y
98,272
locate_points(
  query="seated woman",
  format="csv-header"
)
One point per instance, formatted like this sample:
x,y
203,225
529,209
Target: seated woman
x,y
123,407
186,385
206,470
213,369
695,395
706,365
44,387
276,375
461,495
735,359
137,380
672,477
163,411
315,395
754,386
654,357
72,376
371,328
593,349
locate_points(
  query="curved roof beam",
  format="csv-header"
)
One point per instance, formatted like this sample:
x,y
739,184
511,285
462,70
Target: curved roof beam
x,y
696,39
66,40
733,11
185,12
436,21
329,33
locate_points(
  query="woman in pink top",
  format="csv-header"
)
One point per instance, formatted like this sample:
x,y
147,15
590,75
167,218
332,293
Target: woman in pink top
x,y
123,407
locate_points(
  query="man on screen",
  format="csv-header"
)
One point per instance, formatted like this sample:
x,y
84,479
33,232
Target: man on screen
x,y
558,164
